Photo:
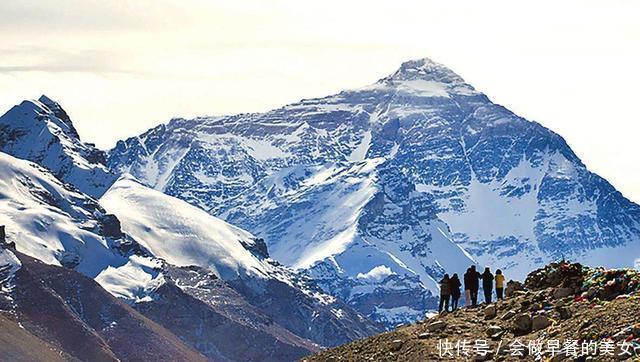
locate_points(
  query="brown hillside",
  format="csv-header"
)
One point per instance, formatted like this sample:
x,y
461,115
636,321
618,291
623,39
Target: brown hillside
x,y
594,309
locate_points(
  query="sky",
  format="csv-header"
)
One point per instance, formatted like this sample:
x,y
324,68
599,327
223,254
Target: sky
x,y
120,67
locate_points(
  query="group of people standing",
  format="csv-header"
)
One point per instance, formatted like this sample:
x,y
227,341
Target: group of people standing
x,y
450,288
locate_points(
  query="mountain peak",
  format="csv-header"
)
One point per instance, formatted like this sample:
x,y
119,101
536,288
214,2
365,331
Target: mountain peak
x,y
60,113
424,69
48,101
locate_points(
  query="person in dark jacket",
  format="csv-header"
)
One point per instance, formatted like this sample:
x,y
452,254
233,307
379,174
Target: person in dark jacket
x,y
487,285
472,284
454,288
445,293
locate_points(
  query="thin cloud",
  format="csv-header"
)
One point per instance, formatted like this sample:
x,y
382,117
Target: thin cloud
x,y
42,59
72,15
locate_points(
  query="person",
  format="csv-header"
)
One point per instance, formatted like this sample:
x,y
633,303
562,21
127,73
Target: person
x,y
487,285
445,292
499,284
471,283
467,285
454,288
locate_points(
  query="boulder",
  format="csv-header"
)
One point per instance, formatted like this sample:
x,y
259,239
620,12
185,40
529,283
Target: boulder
x,y
512,287
563,312
490,311
562,292
494,331
436,326
396,344
539,322
522,323
508,315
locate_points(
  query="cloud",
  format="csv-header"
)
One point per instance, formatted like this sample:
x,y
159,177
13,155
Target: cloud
x,y
43,59
70,15
376,274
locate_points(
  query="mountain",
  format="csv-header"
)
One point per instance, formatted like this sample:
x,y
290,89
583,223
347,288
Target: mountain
x,y
60,312
42,132
57,224
232,294
185,236
377,192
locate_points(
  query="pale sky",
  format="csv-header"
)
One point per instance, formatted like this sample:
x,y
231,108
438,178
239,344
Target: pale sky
x,y
120,67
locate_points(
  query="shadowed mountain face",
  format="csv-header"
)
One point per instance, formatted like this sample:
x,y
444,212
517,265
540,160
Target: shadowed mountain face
x,y
64,310
377,192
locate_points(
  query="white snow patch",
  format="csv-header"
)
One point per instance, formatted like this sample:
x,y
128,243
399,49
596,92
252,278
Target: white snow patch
x,y
360,152
424,88
135,281
180,233
9,261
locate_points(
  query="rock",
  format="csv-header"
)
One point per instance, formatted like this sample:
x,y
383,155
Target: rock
x,y
436,326
563,312
525,304
110,226
257,247
68,259
494,331
423,335
536,307
585,324
560,293
522,323
490,311
561,356
512,287
479,357
396,344
508,315
539,322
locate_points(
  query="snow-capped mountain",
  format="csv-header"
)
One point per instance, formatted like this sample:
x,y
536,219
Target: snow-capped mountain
x,y
222,278
42,132
185,236
53,222
378,191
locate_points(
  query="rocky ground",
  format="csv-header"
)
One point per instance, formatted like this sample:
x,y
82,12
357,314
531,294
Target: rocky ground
x,y
562,312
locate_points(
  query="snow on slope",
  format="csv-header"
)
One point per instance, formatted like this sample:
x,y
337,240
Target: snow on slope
x,y
180,233
58,225
9,265
186,236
